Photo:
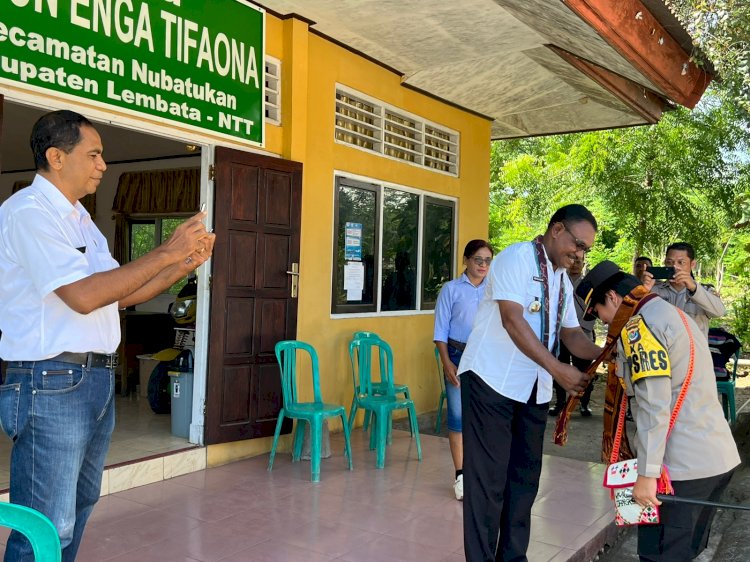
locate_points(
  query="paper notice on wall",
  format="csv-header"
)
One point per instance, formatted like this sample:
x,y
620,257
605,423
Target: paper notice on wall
x,y
354,280
353,241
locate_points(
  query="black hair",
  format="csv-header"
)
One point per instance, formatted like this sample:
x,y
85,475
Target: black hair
x,y
643,258
570,214
682,247
58,129
473,246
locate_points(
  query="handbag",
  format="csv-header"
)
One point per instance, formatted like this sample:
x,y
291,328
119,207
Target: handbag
x,y
620,476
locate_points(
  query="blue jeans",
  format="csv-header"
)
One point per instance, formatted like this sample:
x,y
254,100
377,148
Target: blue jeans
x,y
60,417
453,394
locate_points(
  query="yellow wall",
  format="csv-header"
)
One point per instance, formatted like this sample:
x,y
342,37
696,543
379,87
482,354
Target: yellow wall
x,y
311,68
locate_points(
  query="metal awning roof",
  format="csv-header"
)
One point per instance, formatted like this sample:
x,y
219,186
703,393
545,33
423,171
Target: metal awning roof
x,y
533,66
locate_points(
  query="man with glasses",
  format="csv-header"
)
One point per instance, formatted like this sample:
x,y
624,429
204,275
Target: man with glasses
x,y
506,381
699,301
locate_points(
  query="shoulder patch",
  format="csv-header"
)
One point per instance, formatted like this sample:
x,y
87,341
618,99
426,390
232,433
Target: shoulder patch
x,y
647,355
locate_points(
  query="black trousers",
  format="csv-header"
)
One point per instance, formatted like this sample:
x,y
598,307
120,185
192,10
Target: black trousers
x,y
564,356
684,529
502,463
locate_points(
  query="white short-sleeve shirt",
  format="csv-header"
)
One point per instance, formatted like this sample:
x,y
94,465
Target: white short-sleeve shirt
x,y
490,351
45,243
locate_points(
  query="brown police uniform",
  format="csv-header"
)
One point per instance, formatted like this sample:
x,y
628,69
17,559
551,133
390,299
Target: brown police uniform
x,y
701,306
700,453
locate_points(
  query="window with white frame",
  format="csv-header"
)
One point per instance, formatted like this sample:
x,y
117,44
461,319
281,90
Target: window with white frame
x,y
273,90
368,124
393,247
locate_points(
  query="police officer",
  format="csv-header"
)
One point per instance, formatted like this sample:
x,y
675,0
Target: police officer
x,y
700,302
654,356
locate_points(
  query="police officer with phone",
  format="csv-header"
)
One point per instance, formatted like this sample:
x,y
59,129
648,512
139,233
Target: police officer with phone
x,y
699,301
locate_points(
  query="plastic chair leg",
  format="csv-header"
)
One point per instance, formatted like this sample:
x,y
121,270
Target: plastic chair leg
x,y
732,406
347,442
381,429
299,437
316,425
352,413
440,412
367,420
276,439
413,418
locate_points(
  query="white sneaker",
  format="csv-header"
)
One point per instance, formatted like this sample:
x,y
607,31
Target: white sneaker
x,y
458,487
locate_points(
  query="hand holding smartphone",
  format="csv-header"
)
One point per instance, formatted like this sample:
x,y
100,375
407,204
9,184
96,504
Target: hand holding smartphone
x,y
661,272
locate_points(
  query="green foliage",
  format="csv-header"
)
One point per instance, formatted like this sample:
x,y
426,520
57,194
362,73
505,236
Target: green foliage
x,y
681,179
721,29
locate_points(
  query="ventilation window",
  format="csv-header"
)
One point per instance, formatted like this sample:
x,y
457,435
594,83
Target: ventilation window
x,y
372,125
273,90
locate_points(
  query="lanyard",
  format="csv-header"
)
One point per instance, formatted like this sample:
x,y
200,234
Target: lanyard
x,y
541,264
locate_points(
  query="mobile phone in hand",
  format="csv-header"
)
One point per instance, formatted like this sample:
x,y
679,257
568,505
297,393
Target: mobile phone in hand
x,y
661,272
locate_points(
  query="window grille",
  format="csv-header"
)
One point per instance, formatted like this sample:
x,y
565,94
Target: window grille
x,y
372,125
273,90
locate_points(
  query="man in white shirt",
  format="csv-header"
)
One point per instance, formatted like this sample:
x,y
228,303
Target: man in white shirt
x,y
506,381
59,293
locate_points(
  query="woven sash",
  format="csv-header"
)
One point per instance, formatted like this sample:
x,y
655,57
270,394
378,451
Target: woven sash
x,y
630,303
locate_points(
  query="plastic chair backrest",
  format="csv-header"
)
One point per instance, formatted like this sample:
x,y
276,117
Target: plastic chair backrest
x,y
36,527
360,355
286,355
373,335
441,376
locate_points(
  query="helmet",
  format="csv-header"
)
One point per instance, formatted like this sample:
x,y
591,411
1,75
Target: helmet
x,y
184,307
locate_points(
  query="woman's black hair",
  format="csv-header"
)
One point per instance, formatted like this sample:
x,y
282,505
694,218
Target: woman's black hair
x,y
473,246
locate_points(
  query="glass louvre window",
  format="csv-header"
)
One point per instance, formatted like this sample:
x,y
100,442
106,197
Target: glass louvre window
x,y
397,263
437,249
369,124
356,245
400,239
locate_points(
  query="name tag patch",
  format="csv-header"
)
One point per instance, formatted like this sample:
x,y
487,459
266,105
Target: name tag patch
x,y
648,357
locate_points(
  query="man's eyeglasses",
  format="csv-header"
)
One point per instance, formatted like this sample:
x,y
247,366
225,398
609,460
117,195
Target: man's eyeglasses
x,y
580,244
482,261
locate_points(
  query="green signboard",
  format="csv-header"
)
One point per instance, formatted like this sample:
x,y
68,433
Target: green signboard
x,y
194,62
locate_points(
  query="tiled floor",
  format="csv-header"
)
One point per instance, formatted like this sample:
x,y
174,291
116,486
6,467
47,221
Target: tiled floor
x,y
241,512
138,433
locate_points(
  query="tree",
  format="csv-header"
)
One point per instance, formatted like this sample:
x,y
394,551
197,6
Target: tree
x,y
680,179
721,30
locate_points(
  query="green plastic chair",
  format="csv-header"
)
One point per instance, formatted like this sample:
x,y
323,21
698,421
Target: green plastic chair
x,y
305,412
443,393
726,391
380,404
36,527
378,386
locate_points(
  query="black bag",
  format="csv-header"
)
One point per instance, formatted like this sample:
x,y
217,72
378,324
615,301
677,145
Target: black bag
x,y
159,397
723,346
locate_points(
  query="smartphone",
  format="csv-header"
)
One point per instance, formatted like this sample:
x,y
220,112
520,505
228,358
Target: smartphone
x,y
661,272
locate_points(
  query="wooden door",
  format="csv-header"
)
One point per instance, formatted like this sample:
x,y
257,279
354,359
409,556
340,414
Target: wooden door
x,y
257,225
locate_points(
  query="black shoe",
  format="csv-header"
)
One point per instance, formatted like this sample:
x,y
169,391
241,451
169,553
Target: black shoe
x,y
585,412
554,411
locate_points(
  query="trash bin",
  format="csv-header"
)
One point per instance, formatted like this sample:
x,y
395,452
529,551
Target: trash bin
x,y
181,390
325,442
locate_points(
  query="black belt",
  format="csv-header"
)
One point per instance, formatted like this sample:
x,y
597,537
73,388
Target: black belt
x,y
90,359
459,345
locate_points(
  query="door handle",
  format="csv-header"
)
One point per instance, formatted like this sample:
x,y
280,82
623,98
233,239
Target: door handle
x,y
295,279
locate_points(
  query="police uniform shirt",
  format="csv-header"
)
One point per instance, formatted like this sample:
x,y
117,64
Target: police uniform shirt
x,y
655,350
701,306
